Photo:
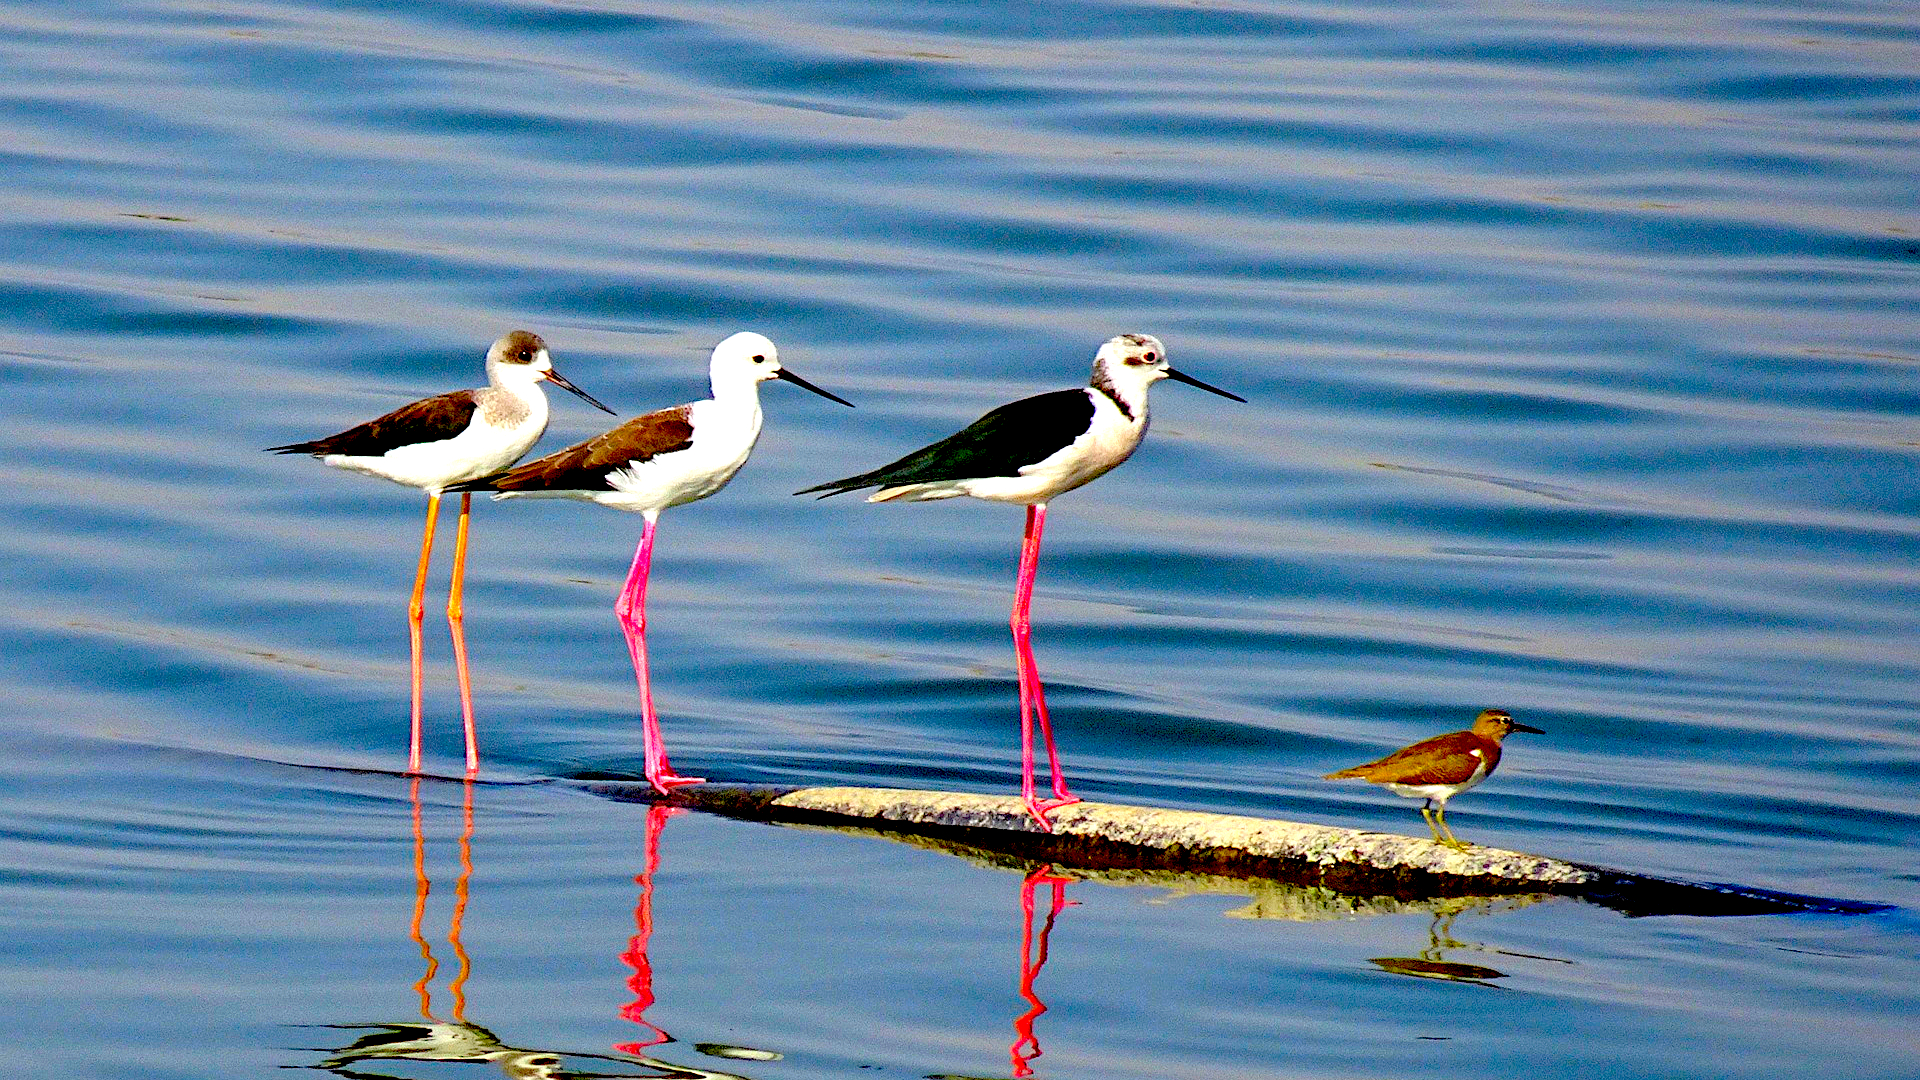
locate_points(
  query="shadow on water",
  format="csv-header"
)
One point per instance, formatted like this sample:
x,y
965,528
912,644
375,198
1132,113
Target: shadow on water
x,y
453,1038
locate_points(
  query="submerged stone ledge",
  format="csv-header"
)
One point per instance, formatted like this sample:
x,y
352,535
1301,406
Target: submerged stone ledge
x,y
1096,836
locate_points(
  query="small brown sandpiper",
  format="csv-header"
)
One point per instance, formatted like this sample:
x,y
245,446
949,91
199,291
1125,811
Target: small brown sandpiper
x,y
1439,768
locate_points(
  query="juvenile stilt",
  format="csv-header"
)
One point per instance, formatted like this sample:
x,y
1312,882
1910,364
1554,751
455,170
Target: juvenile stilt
x,y
433,444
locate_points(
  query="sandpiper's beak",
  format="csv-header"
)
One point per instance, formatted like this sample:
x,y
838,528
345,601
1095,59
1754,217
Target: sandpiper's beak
x,y
560,381
803,384
1528,730
1177,376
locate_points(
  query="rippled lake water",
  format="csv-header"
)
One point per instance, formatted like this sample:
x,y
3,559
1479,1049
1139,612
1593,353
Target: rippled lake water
x,y
1580,345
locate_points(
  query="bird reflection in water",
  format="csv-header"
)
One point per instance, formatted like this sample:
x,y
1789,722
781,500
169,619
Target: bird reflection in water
x,y
433,1038
641,982
1432,963
1033,957
453,1038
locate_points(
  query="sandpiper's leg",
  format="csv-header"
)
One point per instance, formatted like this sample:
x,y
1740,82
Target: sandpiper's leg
x,y
1426,814
1032,698
1452,841
456,621
416,612
632,610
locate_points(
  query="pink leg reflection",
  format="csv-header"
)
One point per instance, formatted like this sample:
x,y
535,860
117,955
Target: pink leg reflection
x,y
636,955
632,610
1033,701
1033,957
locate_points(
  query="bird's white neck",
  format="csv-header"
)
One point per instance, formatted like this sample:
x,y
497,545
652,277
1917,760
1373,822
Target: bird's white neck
x,y
1126,389
736,393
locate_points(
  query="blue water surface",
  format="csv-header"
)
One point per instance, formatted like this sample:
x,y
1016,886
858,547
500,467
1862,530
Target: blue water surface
x,y
1580,349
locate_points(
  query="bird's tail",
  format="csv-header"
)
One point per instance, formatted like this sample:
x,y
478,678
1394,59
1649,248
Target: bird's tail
x,y
1358,772
484,483
840,487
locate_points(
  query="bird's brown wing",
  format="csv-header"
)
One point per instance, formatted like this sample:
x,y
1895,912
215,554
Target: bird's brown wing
x,y
429,420
586,466
1443,759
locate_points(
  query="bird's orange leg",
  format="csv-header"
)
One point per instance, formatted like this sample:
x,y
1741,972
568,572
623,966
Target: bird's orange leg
x,y
456,621
416,611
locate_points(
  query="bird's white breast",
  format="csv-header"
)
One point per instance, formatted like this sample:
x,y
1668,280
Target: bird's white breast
x,y
723,437
484,448
1110,439
1440,793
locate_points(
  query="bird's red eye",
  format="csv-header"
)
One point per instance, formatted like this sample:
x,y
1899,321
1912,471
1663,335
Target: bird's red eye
x,y
1150,358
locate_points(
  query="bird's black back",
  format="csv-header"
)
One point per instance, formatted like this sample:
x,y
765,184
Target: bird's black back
x,y
1000,443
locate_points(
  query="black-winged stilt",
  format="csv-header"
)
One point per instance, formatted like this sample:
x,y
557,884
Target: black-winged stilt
x,y
436,443
1439,768
653,462
1028,452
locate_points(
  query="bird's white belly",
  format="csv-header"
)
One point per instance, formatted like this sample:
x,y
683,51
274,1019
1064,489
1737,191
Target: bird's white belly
x,y
479,451
1087,458
672,479
1439,793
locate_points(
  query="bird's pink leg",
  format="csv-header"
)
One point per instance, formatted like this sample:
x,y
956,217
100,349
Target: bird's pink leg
x,y
456,620
632,610
1033,702
416,612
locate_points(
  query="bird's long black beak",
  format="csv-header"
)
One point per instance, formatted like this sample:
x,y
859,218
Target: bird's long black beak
x,y
1177,376
1528,730
560,381
803,384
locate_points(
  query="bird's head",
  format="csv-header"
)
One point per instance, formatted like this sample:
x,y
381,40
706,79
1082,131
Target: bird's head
x,y
1497,724
752,358
521,358
1133,362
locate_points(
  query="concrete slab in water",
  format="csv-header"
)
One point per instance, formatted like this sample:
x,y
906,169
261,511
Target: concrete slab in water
x,y
1108,836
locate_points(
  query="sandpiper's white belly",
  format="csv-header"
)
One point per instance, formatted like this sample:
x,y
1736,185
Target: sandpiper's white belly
x,y
1440,793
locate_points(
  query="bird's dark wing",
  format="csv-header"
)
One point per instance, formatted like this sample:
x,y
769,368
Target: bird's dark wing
x,y
585,467
1000,443
433,420
1443,759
